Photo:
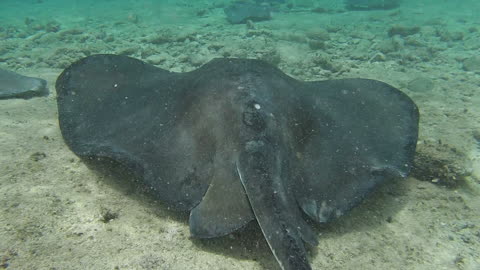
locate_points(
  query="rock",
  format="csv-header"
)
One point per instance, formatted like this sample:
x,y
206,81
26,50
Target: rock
x,y
446,35
360,50
271,56
127,51
318,34
472,63
156,58
270,1
250,25
37,156
258,33
163,36
14,85
333,28
3,50
71,32
476,135
319,10
324,61
390,45
371,4
378,57
240,12
316,44
414,41
198,59
420,84
403,30
363,35
52,26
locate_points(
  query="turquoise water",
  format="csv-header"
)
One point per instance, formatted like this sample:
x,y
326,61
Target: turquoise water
x,y
53,206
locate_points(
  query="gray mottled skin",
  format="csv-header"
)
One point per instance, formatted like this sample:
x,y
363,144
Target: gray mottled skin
x,y
237,140
14,85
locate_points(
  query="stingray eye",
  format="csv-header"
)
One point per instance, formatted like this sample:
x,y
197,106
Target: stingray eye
x,y
253,117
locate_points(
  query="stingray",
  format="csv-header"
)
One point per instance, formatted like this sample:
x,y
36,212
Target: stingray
x,y
14,85
238,140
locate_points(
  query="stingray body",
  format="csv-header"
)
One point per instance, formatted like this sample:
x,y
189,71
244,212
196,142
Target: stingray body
x,y
238,140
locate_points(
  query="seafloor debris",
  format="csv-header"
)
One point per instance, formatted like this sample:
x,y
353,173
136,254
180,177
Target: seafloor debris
x,y
441,164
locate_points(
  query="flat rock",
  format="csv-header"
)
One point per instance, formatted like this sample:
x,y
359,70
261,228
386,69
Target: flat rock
x,y
371,4
472,64
240,12
403,30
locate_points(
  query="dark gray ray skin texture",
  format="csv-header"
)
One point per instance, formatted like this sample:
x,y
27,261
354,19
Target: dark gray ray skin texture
x,y
238,140
14,85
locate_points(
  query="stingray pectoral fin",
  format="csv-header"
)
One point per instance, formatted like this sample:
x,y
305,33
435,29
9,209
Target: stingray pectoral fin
x,y
364,133
260,176
224,208
14,85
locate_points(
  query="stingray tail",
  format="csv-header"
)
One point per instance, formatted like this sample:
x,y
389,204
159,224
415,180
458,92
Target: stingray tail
x,y
259,168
